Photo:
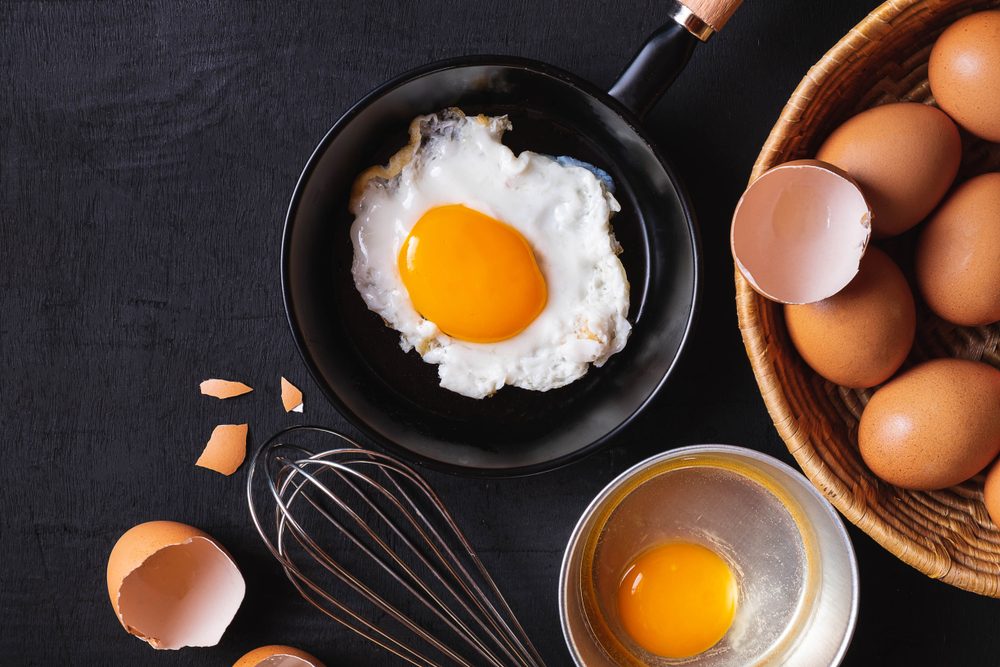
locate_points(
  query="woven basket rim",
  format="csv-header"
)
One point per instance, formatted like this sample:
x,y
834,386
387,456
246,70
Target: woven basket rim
x,y
931,562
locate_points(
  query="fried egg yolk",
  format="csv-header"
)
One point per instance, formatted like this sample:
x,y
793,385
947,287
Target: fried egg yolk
x,y
677,599
473,276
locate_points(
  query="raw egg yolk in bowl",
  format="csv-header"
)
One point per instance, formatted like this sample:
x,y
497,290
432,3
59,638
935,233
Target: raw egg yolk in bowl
x,y
677,599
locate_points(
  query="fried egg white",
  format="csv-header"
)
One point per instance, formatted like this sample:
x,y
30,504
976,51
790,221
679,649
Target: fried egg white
x,y
499,268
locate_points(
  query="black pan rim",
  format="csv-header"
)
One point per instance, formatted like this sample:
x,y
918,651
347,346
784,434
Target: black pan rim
x,y
356,109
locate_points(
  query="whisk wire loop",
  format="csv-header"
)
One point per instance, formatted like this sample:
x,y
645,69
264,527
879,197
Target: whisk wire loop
x,y
366,540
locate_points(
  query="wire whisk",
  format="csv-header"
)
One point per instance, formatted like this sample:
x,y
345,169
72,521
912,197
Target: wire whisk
x,y
366,541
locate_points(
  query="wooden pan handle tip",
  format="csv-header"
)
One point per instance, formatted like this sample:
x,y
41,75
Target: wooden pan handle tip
x,y
714,13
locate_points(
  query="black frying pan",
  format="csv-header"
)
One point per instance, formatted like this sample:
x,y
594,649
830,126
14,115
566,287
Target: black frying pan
x,y
394,397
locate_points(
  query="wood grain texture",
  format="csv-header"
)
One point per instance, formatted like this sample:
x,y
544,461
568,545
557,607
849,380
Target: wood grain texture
x,y
147,153
715,13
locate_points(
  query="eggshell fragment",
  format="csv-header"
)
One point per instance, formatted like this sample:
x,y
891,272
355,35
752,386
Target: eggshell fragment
x,y
224,388
934,426
958,257
277,656
964,73
860,336
225,450
291,396
799,232
904,156
991,493
172,585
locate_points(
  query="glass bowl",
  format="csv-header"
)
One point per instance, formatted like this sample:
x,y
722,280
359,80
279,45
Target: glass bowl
x,y
793,559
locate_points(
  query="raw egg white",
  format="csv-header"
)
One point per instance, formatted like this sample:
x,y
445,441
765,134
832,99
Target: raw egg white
x,y
499,268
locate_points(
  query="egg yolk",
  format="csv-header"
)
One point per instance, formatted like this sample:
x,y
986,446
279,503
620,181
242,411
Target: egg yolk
x,y
473,276
677,599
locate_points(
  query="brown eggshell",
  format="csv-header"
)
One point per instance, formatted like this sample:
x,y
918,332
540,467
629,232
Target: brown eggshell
x,y
991,493
173,585
958,257
291,396
224,388
905,157
860,336
225,450
277,655
934,426
964,73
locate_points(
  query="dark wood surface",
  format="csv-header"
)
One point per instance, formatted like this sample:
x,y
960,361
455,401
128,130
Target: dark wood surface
x,y
147,153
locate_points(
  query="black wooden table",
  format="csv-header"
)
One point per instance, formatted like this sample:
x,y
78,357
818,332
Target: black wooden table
x,y
147,152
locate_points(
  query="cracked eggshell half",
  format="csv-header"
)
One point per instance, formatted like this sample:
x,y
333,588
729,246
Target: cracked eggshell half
x,y
800,230
277,656
173,586
291,396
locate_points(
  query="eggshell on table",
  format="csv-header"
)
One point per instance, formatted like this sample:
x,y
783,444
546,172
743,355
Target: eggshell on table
x,y
958,256
860,336
223,389
934,426
173,585
799,231
291,396
277,655
964,73
904,156
225,450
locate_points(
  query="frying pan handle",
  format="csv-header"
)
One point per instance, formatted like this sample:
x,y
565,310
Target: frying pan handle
x,y
667,51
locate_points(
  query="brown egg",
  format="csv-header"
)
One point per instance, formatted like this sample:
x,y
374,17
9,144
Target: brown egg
x,y
964,73
860,336
934,426
991,493
905,157
958,257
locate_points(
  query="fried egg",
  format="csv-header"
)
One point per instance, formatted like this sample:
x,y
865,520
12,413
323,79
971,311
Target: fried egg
x,y
499,268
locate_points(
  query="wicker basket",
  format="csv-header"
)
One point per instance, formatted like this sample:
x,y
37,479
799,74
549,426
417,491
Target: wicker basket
x,y
945,534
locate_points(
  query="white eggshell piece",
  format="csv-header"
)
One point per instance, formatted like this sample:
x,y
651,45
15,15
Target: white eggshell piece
x,y
799,232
